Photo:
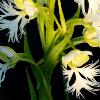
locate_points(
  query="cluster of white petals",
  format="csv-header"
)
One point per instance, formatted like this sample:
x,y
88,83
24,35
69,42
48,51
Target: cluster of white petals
x,y
17,22
8,54
93,13
84,79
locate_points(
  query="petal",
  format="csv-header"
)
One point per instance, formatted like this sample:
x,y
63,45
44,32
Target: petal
x,y
3,69
90,71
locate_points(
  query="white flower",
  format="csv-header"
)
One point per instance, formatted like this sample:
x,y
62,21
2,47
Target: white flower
x,y
84,79
84,76
93,6
9,58
93,13
18,21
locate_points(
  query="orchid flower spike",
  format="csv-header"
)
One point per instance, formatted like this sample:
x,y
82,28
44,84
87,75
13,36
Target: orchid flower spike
x,y
14,18
10,58
84,76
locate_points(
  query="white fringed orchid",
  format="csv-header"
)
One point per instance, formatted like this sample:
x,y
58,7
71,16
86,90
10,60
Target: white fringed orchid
x,y
10,58
19,20
84,76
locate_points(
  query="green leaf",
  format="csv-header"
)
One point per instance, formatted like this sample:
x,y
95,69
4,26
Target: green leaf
x,y
40,21
44,90
62,19
26,46
31,87
49,27
28,52
76,41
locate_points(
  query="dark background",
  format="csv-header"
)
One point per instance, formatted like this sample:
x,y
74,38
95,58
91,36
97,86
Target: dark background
x,y
15,86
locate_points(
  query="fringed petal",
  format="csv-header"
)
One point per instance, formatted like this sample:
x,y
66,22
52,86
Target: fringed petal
x,y
9,10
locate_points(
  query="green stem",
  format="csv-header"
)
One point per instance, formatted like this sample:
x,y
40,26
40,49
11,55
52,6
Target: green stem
x,y
41,78
62,19
70,23
24,55
71,45
40,61
55,40
76,41
78,21
28,60
52,5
